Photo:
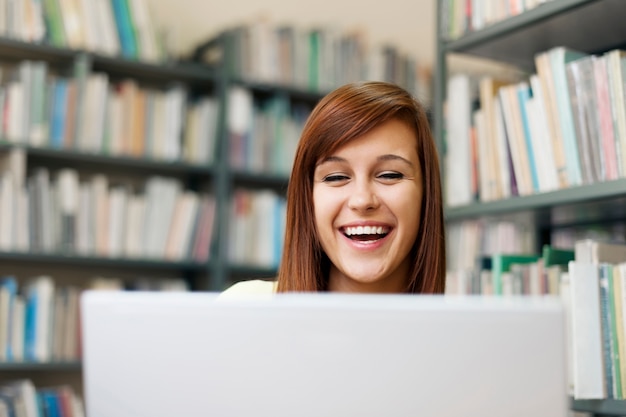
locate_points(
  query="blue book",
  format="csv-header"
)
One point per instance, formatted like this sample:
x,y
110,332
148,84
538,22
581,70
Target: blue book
x,y
523,95
9,284
51,404
58,113
125,29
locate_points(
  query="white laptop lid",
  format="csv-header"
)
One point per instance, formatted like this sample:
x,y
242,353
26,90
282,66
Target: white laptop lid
x,y
191,354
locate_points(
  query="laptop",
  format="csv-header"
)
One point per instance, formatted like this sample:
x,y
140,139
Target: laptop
x,y
152,354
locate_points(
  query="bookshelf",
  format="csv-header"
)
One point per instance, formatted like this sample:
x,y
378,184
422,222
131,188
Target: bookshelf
x,y
589,26
78,269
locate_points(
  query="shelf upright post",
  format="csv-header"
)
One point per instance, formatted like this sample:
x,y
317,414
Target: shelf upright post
x,y
223,177
440,86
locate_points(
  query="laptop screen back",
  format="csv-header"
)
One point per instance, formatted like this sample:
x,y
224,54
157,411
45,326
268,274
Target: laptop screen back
x,y
194,354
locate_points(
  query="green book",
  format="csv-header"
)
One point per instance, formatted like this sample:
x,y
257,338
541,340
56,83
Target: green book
x,y
606,270
501,263
555,256
54,23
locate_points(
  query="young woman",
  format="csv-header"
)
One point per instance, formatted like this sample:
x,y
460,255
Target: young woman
x,y
364,203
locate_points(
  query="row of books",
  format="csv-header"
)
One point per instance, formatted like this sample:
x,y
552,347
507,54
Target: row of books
x,y
20,398
264,133
565,126
590,279
472,239
459,17
40,319
112,27
256,228
60,212
512,273
321,59
91,113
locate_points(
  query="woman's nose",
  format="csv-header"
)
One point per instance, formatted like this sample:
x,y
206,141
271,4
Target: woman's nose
x,y
363,197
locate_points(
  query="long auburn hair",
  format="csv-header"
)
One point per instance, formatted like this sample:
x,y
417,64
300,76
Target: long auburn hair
x,y
341,116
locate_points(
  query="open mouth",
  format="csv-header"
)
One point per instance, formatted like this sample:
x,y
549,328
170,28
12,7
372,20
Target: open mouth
x,y
365,233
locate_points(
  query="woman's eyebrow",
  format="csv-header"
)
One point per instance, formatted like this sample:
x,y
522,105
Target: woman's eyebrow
x,y
394,157
386,157
332,158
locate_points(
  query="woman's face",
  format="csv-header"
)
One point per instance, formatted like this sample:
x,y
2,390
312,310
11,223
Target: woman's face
x,y
367,198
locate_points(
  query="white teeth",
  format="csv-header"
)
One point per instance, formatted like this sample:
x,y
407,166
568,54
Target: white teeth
x,y
365,230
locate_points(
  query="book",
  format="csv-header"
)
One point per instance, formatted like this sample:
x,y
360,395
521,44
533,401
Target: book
x,y
501,264
617,331
587,350
607,322
458,123
539,132
55,31
547,95
125,30
616,93
619,283
8,292
556,256
607,142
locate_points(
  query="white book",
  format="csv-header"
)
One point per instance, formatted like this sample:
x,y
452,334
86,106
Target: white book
x,y
92,33
7,211
519,155
85,221
28,397
184,216
115,112
565,294
109,41
485,169
15,128
157,150
458,164
100,195
587,356
175,103
118,200
95,105
133,240
502,154
145,30
3,17
73,23
23,225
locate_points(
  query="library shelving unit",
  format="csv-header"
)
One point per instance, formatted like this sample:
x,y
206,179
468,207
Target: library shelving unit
x,y
199,275
240,176
590,26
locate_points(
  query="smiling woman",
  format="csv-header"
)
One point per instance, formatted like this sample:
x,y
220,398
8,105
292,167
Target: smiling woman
x,y
364,208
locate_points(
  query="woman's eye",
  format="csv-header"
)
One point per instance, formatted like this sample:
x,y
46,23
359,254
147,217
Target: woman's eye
x,y
391,176
335,178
